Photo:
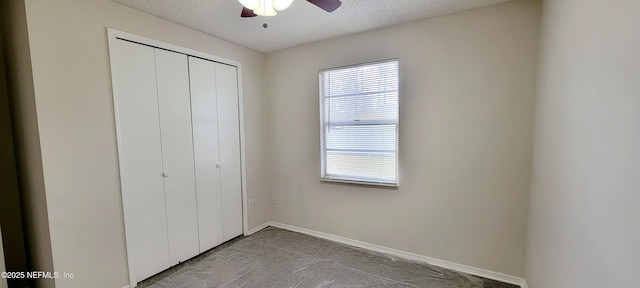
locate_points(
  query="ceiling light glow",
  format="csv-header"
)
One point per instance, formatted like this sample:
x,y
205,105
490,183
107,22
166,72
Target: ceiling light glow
x,y
266,7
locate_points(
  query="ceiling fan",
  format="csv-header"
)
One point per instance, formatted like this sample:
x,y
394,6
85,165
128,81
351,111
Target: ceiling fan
x,y
253,8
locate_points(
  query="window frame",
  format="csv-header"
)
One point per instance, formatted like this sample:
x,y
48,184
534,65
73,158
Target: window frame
x,y
323,151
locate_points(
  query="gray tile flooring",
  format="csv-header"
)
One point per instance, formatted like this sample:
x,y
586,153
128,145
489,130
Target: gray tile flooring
x,y
279,258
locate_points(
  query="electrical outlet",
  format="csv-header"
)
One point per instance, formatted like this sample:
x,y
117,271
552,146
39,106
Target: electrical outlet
x,y
251,204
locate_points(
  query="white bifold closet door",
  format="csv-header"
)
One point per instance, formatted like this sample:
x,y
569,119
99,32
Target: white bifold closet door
x,y
229,135
179,148
204,109
141,157
158,180
216,134
174,104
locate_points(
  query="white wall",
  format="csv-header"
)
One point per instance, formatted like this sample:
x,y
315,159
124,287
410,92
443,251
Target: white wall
x,y
583,226
467,94
74,105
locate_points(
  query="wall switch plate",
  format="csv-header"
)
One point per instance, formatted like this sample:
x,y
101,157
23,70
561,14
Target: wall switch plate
x,y
251,204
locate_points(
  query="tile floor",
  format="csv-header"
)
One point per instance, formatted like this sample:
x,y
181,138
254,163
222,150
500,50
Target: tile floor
x,y
279,258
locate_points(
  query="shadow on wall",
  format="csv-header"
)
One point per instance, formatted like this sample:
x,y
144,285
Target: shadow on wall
x,y
10,212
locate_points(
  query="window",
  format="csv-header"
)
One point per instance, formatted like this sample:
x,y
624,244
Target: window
x,y
359,123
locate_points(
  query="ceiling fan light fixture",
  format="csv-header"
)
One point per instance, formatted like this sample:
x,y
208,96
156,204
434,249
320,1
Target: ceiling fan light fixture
x,y
251,4
266,7
281,4
253,8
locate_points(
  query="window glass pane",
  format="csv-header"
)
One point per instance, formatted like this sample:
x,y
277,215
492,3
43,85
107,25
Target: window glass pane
x,y
367,138
372,77
362,108
377,167
359,119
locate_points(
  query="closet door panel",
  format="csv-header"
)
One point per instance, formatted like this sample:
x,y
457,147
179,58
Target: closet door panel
x,y
138,132
174,100
229,135
205,140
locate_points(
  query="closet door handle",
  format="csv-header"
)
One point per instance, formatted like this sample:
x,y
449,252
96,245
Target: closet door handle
x,y
165,174
218,165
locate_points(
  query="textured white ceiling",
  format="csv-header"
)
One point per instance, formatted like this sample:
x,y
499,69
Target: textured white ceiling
x,y
301,23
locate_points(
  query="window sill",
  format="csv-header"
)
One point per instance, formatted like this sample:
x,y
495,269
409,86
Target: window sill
x,y
362,183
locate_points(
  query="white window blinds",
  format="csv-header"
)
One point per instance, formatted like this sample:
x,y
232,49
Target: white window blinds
x,y
359,123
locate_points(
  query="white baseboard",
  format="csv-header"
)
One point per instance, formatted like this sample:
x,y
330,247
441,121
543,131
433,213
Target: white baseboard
x,y
257,228
126,286
406,255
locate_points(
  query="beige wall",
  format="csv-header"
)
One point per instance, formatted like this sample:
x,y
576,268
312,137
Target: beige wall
x,y
467,105
583,223
27,139
10,206
77,132
467,94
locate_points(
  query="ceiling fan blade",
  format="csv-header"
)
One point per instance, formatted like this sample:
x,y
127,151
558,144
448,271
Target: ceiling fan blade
x,y
247,13
326,5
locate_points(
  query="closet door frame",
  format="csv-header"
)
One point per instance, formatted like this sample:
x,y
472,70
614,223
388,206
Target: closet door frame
x,y
114,35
